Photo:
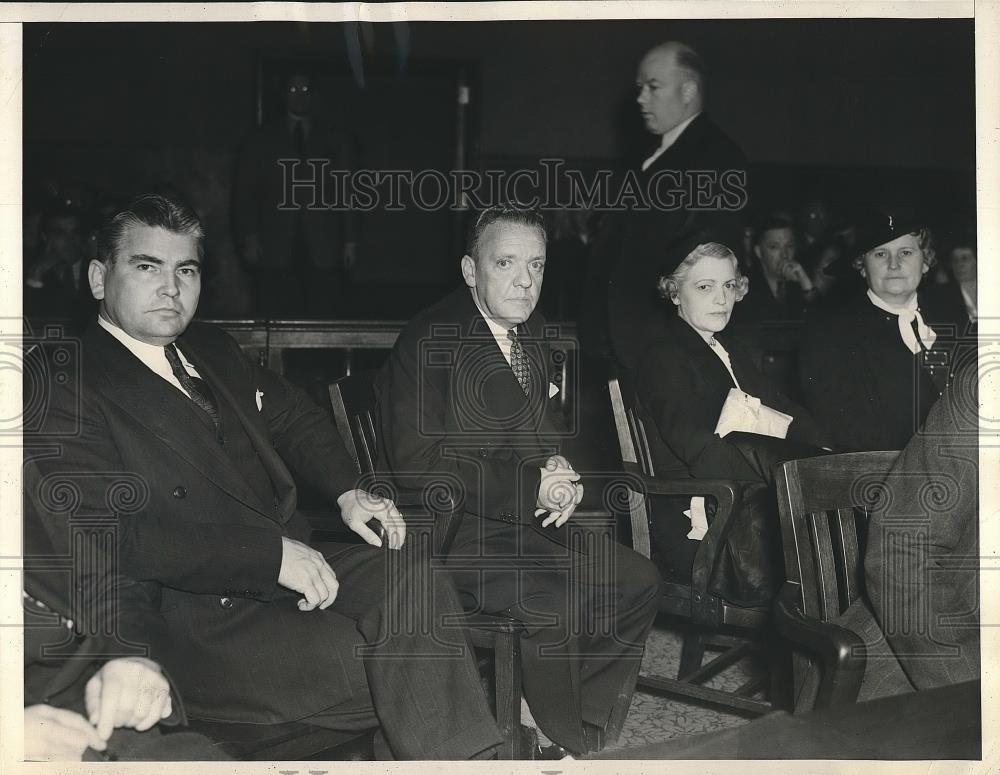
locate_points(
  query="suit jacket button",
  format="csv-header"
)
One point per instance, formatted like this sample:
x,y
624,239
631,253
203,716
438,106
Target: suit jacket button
x,y
483,452
180,492
226,602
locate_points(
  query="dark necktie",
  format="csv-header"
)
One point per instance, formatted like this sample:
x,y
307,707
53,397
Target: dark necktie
x,y
195,387
518,361
916,333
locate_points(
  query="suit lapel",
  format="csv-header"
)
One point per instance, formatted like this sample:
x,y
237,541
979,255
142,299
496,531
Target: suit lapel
x,y
132,386
281,477
711,366
506,408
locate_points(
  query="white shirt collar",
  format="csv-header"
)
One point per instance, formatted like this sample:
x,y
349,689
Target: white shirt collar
x,y
668,139
498,331
151,355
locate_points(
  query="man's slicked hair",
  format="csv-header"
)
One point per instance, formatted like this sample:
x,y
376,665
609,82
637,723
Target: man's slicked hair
x,y
507,212
155,210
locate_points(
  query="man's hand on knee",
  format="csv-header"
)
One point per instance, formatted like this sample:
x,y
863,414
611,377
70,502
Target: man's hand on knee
x,y
127,692
305,570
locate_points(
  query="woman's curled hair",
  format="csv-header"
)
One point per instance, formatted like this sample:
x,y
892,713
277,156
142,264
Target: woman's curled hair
x,y
669,284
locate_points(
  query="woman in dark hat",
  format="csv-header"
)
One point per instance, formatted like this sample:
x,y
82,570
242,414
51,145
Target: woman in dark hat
x,y
872,368
683,383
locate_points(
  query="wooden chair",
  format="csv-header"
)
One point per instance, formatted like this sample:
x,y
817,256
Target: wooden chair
x,y
353,401
823,505
714,621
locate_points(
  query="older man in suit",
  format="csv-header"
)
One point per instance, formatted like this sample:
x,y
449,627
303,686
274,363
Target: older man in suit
x,y
693,157
253,624
465,405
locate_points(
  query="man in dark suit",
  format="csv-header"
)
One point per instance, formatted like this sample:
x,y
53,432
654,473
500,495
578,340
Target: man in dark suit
x,y
919,617
922,558
79,704
779,286
694,157
253,624
299,250
465,406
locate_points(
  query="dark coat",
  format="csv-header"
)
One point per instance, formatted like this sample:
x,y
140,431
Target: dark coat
x,y
199,552
639,242
761,305
452,411
860,381
920,560
682,386
260,187
60,657
453,415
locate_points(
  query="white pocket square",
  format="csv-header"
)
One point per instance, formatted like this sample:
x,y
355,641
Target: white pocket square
x,y
258,397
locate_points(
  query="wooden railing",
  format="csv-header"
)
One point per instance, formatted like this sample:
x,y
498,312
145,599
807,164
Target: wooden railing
x,y
772,346
268,341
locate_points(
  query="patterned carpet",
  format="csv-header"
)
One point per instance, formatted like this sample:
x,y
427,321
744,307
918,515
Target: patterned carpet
x,y
653,718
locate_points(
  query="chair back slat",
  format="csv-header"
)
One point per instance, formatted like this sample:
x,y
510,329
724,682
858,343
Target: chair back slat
x,y
352,399
825,564
343,422
625,425
642,443
820,501
622,422
365,435
847,545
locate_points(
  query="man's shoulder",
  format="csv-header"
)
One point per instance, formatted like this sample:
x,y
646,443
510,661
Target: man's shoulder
x,y
708,138
209,336
449,315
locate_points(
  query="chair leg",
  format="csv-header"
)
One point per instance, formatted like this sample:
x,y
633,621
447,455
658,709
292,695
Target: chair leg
x,y
779,664
692,652
507,672
620,711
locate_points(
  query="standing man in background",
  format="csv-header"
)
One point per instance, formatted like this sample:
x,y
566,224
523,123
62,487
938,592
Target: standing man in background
x,y
692,152
300,253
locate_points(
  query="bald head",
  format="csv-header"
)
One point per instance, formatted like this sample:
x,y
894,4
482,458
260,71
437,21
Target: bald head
x,y
670,84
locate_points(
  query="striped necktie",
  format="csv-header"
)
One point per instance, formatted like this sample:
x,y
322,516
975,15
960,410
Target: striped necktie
x,y
195,387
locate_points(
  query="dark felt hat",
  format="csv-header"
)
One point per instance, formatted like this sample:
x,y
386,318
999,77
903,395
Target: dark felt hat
x,y
874,228
682,248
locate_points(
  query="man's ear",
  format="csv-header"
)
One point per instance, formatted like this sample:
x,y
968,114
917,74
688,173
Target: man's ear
x,y
689,90
469,270
96,272
756,252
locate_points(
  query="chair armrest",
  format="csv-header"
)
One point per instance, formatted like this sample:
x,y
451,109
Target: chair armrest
x,y
728,494
325,521
446,518
332,527
840,652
